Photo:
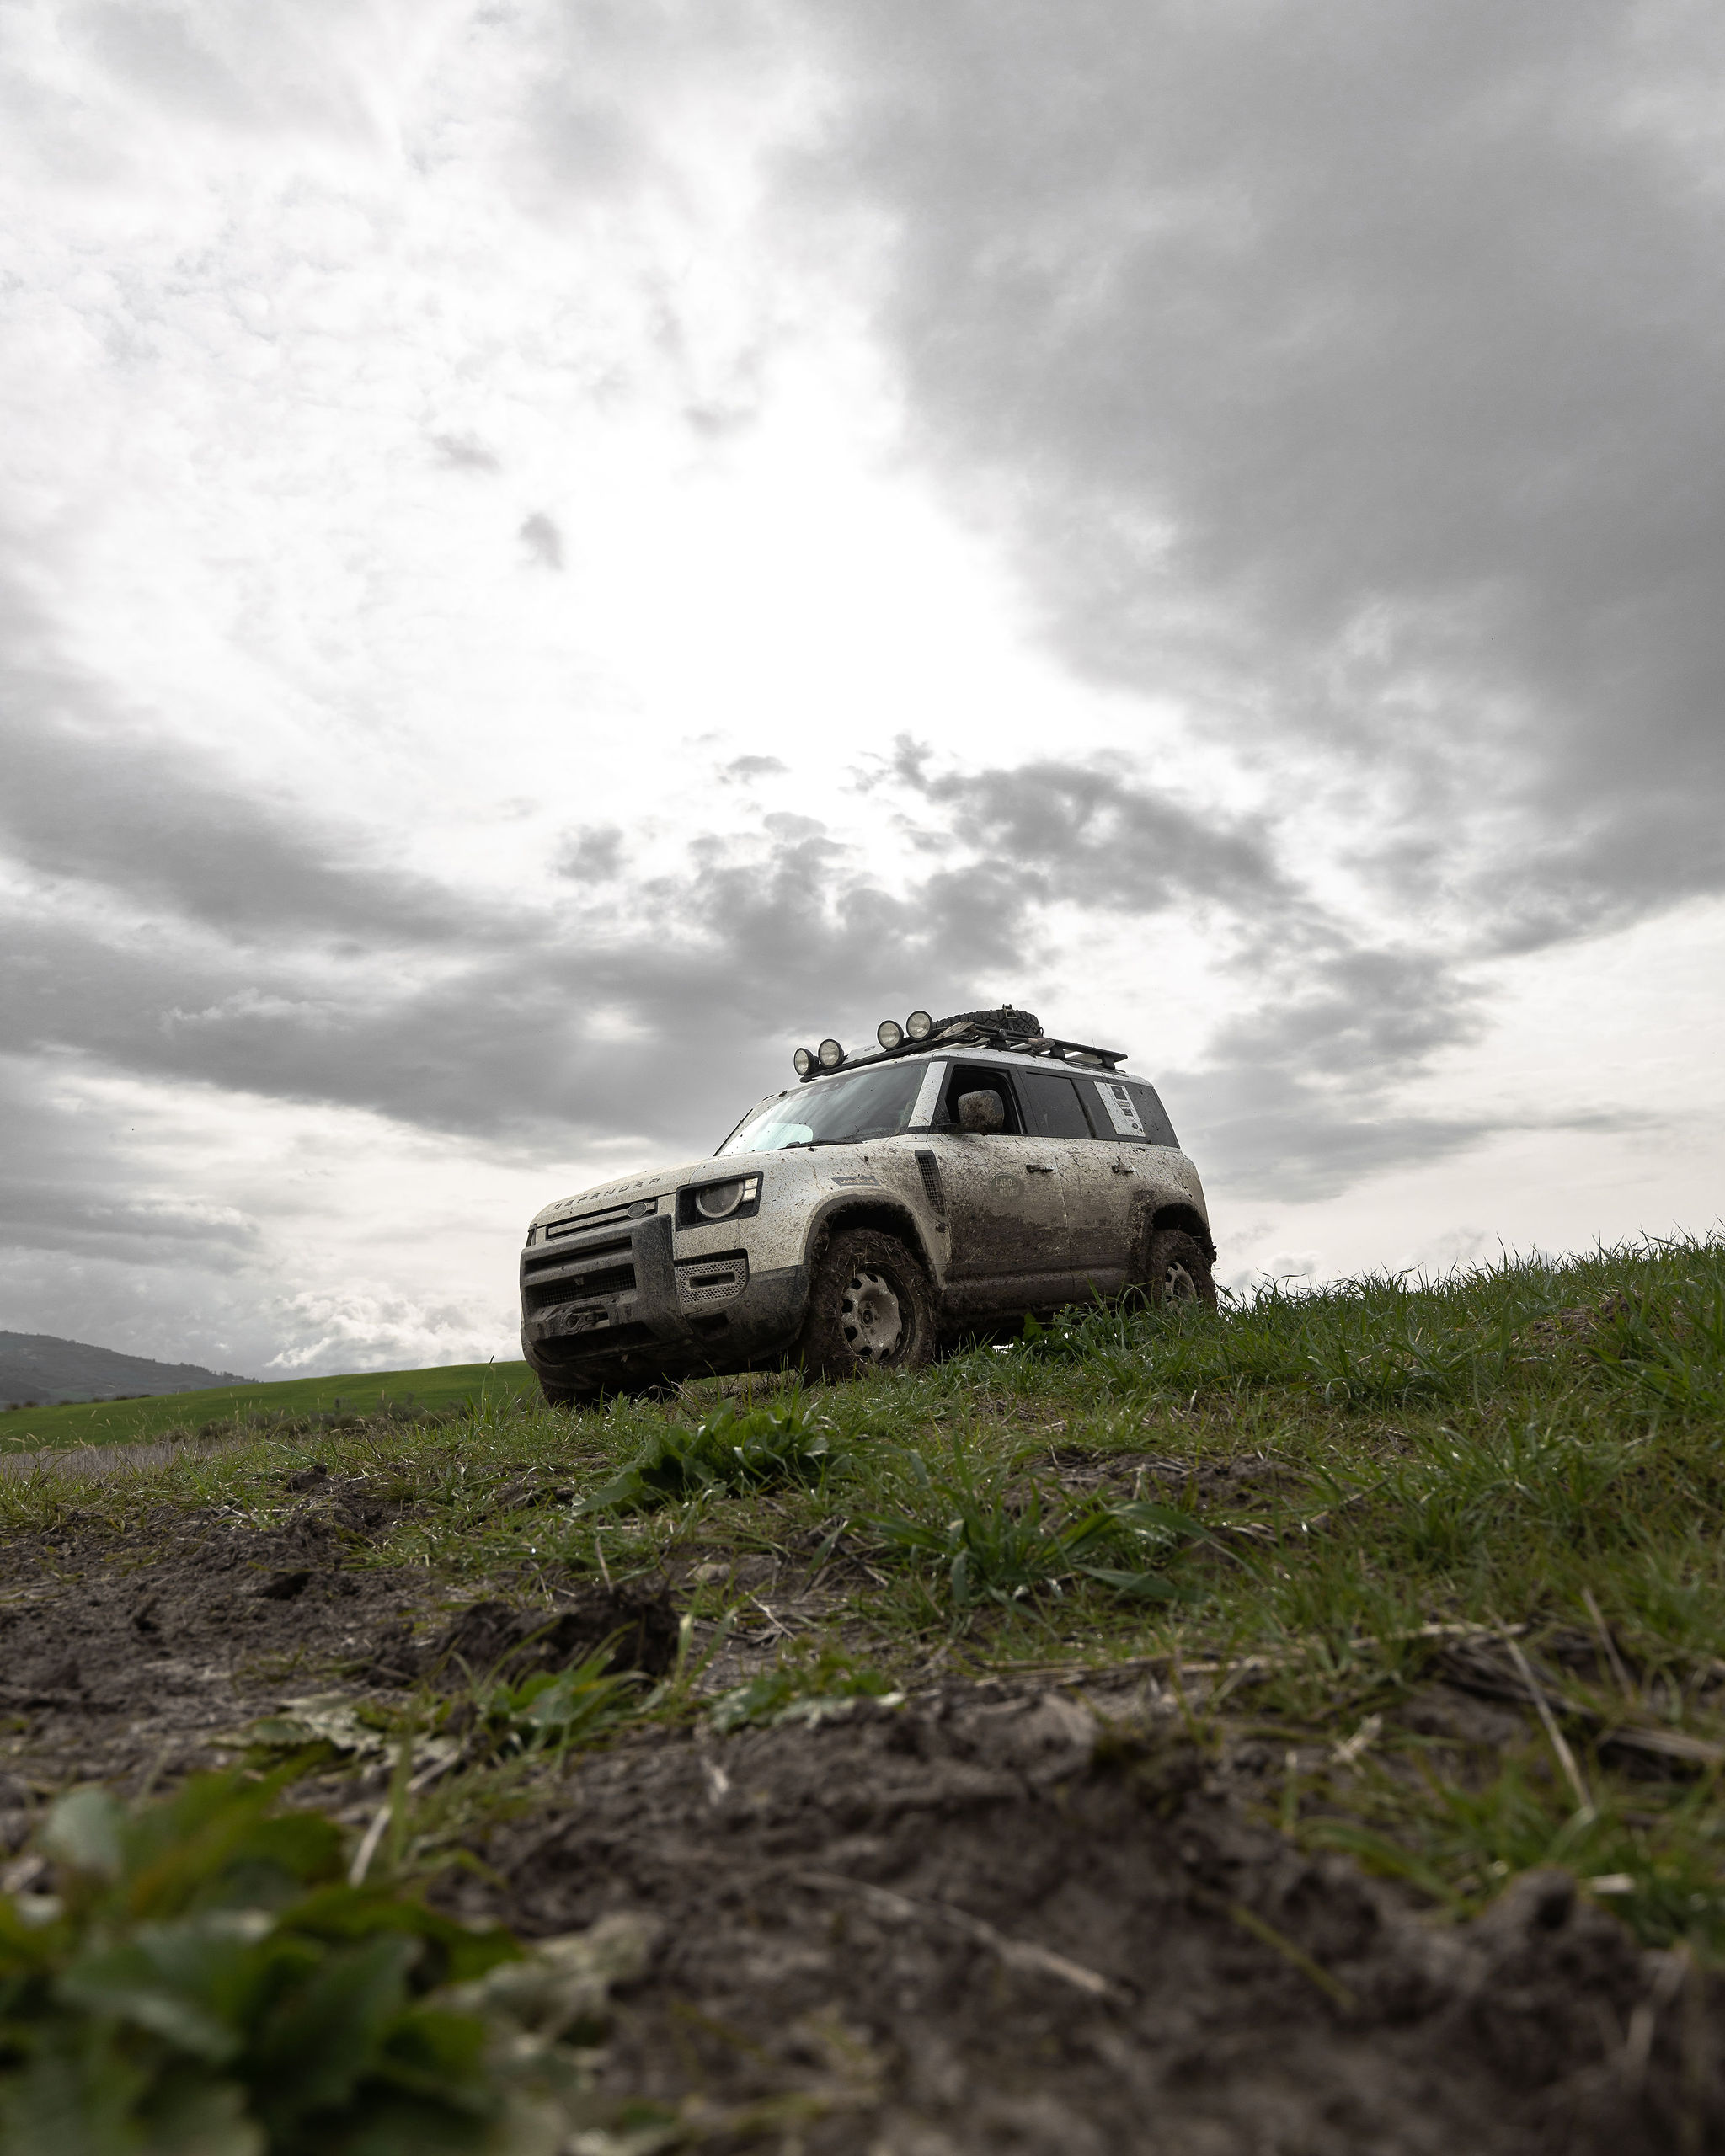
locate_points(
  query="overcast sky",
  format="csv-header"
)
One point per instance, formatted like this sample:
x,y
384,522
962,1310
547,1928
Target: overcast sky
x,y
549,553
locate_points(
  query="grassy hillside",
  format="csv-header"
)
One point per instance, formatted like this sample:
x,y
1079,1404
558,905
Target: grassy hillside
x,y
122,1422
1329,1517
40,1367
1428,1576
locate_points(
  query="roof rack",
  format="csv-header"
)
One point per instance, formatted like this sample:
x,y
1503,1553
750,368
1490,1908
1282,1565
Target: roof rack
x,y
1008,1043
965,1034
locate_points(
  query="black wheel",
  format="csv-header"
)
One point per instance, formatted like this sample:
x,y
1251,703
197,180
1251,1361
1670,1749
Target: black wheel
x,y
870,1308
1176,1269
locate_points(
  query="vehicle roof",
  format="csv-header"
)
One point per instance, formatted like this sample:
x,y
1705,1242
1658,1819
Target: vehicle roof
x,y
962,1052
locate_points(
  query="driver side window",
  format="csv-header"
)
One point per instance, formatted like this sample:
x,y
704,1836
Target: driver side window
x,y
977,1078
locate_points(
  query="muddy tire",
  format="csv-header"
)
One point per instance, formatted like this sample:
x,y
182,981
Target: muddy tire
x,y
870,1308
1016,1022
1176,1270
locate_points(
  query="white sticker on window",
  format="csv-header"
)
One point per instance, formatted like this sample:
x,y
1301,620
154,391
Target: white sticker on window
x,y
929,1092
1123,1112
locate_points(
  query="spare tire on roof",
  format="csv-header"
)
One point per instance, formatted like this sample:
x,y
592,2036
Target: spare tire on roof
x,y
1024,1023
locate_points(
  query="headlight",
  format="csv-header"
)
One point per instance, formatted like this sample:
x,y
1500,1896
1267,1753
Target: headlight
x,y
735,1199
831,1054
919,1025
889,1033
803,1059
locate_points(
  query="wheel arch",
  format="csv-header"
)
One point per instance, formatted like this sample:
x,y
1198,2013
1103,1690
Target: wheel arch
x,y
890,1219
1189,1218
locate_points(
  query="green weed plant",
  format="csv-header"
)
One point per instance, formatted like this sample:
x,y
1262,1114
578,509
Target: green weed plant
x,y
995,1534
808,1688
729,1452
203,1982
555,1711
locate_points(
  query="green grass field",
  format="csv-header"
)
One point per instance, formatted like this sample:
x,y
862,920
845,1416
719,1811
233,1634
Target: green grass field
x,y
1433,1571
1334,1518
124,1421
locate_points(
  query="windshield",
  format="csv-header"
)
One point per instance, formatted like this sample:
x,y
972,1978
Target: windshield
x,y
834,1111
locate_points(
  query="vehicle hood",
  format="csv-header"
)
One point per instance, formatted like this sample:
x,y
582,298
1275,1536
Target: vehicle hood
x,y
653,1182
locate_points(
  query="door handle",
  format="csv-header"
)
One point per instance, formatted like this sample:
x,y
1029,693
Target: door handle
x,y
1036,1168
1118,1170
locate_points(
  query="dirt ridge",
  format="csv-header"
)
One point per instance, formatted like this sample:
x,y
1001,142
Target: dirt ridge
x,y
984,1923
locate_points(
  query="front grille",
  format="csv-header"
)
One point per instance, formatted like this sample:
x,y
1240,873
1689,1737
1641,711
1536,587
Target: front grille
x,y
702,1282
549,1260
610,1280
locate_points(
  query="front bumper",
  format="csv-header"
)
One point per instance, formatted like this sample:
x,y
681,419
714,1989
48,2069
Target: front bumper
x,y
615,1307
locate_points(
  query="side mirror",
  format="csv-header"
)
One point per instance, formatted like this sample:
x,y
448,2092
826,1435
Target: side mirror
x,y
982,1112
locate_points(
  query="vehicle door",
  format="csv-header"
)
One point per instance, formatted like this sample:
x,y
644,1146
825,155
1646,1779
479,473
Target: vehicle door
x,y
1003,1193
1098,1210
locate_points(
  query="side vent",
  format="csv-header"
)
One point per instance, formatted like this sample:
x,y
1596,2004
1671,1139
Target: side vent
x,y
929,1169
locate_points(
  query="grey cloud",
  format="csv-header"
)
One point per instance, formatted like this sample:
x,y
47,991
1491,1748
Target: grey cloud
x,y
744,770
613,79
464,454
487,1021
1299,1095
594,856
67,1190
1092,837
91,801
95,1249
179,930
542,540
155,50
586,145
240,67
1355,368
173,927
494,1022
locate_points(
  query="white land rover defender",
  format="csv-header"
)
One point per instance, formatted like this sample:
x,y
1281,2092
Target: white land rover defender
x,y
965,1173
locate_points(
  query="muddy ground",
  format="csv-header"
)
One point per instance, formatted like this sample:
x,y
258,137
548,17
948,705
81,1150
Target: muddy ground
x,y
1006,1916
952,1928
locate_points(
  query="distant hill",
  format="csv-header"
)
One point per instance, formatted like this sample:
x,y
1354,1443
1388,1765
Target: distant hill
x,y
37,1368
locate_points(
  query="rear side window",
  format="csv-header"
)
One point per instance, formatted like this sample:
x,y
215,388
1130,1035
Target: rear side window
x,y
1127,1109
1052,1108
1157,1129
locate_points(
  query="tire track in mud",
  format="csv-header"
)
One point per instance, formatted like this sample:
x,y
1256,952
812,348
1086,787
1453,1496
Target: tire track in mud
x,y
969,1925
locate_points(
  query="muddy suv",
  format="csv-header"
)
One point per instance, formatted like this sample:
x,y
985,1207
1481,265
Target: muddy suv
x,y
965,1173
